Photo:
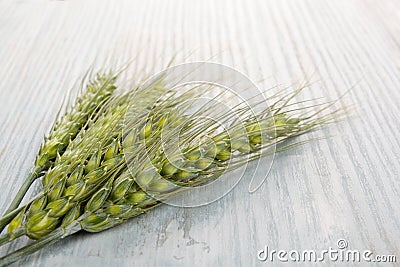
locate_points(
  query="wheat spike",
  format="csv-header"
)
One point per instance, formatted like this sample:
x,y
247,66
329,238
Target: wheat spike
x,y
67,127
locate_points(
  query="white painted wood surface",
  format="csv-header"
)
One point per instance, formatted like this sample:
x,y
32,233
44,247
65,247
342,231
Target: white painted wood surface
x,y
346,186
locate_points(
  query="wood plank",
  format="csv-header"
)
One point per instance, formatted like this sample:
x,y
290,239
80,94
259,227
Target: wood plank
x,y
345,186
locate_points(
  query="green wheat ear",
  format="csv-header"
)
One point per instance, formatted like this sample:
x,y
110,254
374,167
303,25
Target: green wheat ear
x,y
164,180
91,188
66,128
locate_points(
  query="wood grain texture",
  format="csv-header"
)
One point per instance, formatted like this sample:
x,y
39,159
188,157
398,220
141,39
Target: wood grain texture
x,y
346,186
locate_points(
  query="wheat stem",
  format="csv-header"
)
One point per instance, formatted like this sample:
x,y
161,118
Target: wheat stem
x,y
33,175
51,238
31,248
9,216
8,237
